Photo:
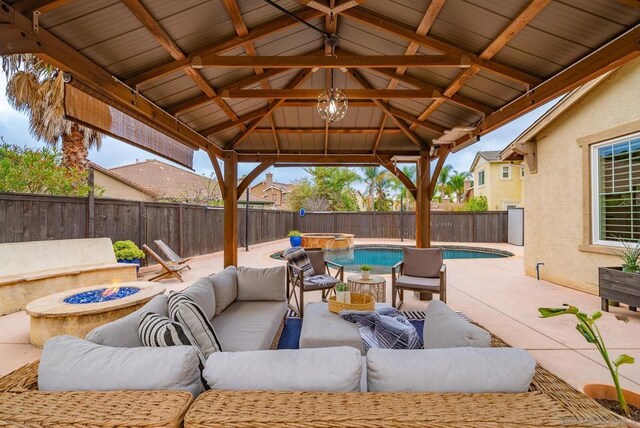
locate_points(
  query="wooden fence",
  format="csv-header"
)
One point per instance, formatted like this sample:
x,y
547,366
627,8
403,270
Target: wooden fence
x,y
194,230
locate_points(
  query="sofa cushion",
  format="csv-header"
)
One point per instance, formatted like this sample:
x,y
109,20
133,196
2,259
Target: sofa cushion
x,y
462,370
123,333
322,369
225,288
72,364
261,283
422,262
444,328
201,292
429,284
191,317
249,326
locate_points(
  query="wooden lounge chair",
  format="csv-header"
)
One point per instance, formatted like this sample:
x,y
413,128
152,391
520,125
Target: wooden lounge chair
x,y
167,269
173,257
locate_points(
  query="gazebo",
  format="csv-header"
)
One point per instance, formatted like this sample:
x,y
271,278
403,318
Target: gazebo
x,y
265,81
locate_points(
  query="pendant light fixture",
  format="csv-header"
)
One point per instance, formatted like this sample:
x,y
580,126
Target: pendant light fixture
x,y
332,102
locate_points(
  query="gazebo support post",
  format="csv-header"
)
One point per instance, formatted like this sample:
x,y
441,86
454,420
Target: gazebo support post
x,y
230,233
423,207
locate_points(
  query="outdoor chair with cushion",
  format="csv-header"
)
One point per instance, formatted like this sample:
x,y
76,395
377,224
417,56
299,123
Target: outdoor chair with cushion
x,y
173,257
168,270
313,273
420,270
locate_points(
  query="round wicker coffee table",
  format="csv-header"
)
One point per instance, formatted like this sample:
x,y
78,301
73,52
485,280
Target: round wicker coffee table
x,y
375,286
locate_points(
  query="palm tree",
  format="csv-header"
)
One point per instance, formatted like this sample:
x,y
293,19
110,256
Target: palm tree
x,y
456,183
37,88
370,176
442,186
401,190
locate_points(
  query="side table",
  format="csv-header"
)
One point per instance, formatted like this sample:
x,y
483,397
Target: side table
x,y
375,285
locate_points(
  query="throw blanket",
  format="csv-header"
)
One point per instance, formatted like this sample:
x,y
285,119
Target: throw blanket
x,y
323,279
384,328
297,256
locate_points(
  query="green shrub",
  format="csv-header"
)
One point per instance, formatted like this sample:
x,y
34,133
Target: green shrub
x,y
341,286
294,233
366,268
478,203
127,250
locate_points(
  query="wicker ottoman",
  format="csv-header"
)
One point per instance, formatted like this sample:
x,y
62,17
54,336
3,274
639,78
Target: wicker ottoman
x,y
324,329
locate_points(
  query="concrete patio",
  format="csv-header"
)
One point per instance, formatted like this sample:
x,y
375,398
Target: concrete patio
x,y
492,292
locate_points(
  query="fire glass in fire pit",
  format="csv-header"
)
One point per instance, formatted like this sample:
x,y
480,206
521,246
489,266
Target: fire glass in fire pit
x,y
101,295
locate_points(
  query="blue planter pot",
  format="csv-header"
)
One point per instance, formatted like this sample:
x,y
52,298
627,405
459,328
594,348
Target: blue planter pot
x,y
296,241
131,262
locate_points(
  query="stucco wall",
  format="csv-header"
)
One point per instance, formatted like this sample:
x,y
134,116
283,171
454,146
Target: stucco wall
x,y
117,189
554,217
496,189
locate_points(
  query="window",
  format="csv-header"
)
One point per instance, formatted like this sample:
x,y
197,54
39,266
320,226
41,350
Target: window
x,y
615,168
506,172
522,172
481,178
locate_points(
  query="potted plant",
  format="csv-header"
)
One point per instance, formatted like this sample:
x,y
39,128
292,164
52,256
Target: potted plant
x,y
614,398
343,294
366,271
620,283
295,238
128,252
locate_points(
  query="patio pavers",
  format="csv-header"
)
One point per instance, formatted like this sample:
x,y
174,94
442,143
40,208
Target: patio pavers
x,y
492,292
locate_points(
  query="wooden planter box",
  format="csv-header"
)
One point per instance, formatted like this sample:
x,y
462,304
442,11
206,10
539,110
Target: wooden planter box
x,y
619,286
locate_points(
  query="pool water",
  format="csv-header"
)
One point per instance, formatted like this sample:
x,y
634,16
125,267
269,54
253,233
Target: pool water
x,y
381,259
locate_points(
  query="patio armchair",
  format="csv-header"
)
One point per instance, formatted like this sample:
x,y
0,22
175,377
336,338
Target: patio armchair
x,y
297,284
167,270
172,256
421,270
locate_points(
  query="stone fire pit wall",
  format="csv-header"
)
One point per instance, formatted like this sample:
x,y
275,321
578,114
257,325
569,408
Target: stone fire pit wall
x,y
328,241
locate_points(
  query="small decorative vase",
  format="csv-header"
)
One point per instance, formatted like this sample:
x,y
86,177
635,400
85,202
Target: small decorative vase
x,y
366,274
343,296
296,241
131,262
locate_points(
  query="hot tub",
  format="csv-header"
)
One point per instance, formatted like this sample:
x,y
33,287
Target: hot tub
x,y
328,241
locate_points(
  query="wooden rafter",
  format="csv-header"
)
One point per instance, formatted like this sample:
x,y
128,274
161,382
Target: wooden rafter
x,y
443,152
332,9
398,30
246,181
256,33
218,171
318,158
521,21
42,6
330,27
311,94
333,130
297,81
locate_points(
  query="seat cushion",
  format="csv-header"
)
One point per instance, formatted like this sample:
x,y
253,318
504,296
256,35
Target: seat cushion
x,y
72,364
201,292
427,284
327,282
444,328
123,333
462,370
249,326
422,262
327,370
257,284
225,288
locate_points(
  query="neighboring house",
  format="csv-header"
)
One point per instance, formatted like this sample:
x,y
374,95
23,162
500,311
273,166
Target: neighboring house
x,y
273,191
255,202
117,187
500,181
582,179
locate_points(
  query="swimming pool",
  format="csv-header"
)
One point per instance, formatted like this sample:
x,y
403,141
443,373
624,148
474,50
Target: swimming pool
x,y
382,258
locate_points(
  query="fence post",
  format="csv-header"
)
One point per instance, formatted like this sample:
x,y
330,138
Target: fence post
x,y
180,240
401,219
142,226
246,223
91,205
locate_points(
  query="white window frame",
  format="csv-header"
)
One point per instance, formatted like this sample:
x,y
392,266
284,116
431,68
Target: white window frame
x,y
522,172
595,185
508,177
484,178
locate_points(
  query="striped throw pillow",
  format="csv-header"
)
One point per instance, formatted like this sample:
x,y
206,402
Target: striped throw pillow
x,y
159,331
185,311
297,256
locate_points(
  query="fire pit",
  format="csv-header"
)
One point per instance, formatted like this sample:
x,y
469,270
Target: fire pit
x,y
76,312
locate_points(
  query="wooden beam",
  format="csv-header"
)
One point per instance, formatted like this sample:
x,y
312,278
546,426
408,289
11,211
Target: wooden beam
x,y
614,54
410,185
230,233
256,33
311,94
42,6
313,104
400,31
218,171
319,158
246,182
232,124
376,143
423,202
443,152
331,10
67,59
342,61
297,81
322,130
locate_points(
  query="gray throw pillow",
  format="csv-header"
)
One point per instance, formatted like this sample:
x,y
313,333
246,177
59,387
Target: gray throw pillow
x,y
259,284
72,364
201,292
460,370
123,333
225,288
422,262
190,316
444,328
316,257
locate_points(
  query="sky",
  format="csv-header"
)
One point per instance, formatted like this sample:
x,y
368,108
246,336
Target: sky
x,y
14,128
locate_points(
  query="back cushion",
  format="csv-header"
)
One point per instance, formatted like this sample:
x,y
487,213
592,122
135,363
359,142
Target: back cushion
x,y
422,262
261,283
123,333
462,370
312,369
443,328
201,292
317,261
225,288
72,364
